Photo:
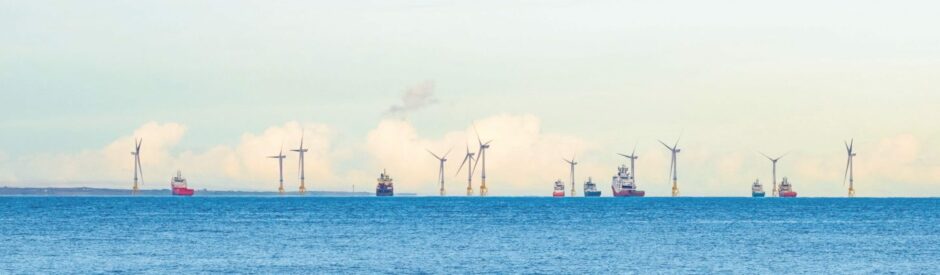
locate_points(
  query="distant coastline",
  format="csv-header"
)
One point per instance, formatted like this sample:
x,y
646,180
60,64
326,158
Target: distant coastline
x,y
88,191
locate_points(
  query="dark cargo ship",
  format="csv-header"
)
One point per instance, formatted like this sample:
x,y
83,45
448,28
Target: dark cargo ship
x,y
385,187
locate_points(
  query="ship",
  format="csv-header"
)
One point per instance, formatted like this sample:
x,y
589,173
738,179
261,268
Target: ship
x,y
757,190
786,189
624,185
559,189
590,189
179,186
385,186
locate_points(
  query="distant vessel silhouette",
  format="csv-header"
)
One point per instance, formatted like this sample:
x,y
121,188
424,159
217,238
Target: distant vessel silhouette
x,y
179,185
385,186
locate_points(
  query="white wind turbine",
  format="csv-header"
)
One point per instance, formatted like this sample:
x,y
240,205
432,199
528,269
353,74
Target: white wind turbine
x,y
138,169
850,167
280,167
468,158
440,173
633,157
673,170
774,161
301,150
572,162
482,155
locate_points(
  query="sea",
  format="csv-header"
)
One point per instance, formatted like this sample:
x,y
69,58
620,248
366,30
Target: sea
x,y
460,235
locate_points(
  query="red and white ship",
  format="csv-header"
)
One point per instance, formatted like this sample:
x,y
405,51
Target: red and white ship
x,y
179,186
786,189
624,185
559,189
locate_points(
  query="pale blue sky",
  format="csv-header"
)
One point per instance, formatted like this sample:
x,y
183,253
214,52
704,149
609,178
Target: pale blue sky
x,y
732,76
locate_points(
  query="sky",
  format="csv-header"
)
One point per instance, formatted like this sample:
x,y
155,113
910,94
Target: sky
x,y
214,87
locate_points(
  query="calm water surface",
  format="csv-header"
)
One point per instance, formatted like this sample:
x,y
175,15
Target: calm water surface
x,y
468,235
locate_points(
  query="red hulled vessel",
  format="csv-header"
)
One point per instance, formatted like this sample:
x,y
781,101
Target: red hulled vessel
x,y
179,186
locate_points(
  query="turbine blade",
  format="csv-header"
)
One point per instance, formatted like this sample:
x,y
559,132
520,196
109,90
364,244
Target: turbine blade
x,y
432,153
448,151
664,144
462,164
476,163
634,150
478,134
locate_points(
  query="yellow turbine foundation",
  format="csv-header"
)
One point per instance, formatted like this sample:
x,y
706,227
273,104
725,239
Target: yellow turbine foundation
x,y
675,189
483,190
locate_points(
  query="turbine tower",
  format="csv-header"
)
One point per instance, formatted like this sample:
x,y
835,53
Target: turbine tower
x,y
572,163
440,173
280,167
137,168
482,155
774,161
850,167
468,158
673,170
301,150
633,157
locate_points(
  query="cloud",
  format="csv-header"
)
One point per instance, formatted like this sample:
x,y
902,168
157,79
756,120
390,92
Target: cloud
x,y
242,166
415,98
523,159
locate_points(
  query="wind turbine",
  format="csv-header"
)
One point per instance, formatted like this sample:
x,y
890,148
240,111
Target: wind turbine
x,y
280,167
138,169
572,163
482,155
633,157
301,150
774,161
468,158
673,170
850,167
440,174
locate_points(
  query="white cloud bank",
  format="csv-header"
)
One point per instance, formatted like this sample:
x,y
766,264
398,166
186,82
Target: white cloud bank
x,y
524,160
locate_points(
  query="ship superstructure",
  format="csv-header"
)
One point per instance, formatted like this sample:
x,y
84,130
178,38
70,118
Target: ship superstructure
x,y
385,186
624,185
180,186
786,189
559,189
590,189
757,189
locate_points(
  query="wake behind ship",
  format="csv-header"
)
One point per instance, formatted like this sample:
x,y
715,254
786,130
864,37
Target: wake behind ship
x,y
590,189
385,186
624,185
179,185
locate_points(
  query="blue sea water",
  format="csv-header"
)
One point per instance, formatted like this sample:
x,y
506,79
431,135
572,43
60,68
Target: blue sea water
x,y
170,235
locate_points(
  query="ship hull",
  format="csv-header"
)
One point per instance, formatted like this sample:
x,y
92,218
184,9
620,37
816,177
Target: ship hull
x,y
592,193
757,194
384,193
186,192
788,194
628,193
558,194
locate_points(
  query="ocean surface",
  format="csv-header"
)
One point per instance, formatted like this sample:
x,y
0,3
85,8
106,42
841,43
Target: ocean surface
x,y
170,235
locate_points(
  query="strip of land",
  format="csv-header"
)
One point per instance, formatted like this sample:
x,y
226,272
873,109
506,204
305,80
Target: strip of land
x,y
88,191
